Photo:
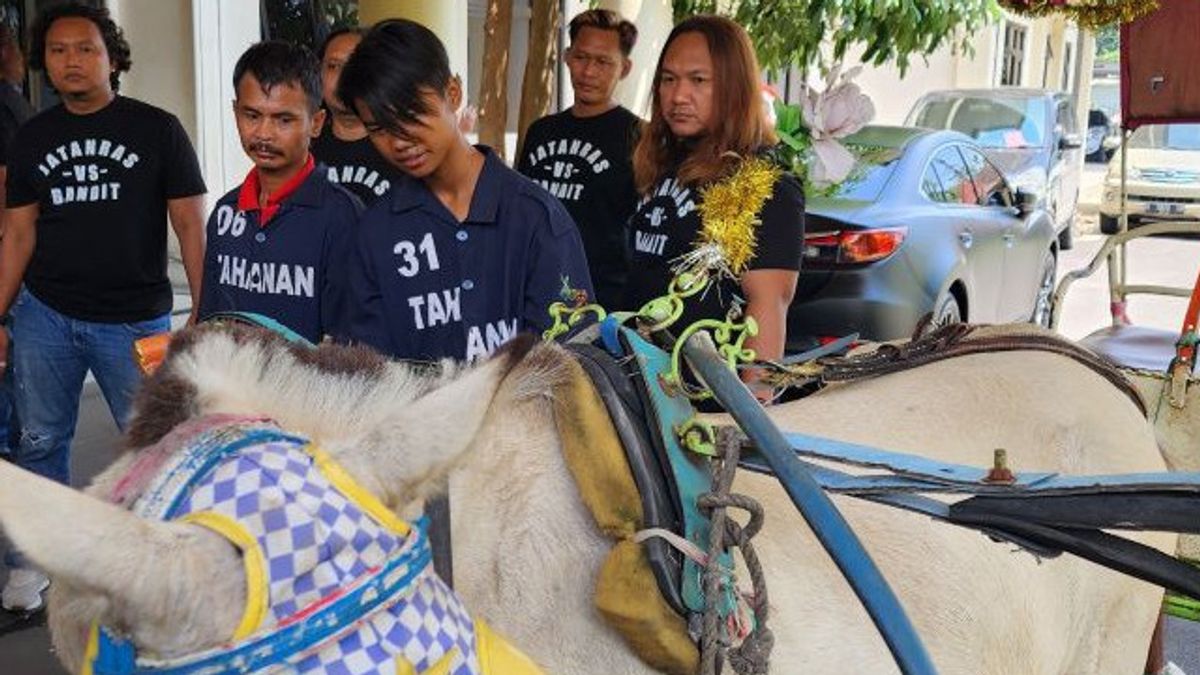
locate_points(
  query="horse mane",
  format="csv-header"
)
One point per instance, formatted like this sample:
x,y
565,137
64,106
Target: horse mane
x,y
333,391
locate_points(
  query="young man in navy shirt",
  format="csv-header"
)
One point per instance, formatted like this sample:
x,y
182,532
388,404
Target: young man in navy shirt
x,y
278,245
466,254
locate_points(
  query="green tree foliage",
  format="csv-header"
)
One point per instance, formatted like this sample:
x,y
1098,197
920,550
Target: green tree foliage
x,y
1108,44
794,32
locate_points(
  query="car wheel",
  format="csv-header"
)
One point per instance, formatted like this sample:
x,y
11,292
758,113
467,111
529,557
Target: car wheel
x,y
945,313
1043,304
1109,224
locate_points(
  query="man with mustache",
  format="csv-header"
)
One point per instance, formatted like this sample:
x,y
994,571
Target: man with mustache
x,y
278,244
467,254
582,154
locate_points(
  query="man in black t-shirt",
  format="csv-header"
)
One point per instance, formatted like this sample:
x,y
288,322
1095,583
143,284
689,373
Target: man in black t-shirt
x,y
582,155
343,147
83,264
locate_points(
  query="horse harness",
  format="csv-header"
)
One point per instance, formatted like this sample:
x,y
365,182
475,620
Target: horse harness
x,y
1044,513
335,581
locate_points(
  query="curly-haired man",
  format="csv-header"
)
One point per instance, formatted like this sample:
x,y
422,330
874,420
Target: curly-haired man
x,y
83,263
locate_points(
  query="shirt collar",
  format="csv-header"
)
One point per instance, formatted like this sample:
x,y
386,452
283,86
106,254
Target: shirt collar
x,y
411,193
248,195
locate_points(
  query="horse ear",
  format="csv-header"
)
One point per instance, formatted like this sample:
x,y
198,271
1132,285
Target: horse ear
x,y
409,455
146,569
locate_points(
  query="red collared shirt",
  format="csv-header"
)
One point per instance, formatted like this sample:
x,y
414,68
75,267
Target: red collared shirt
x,y
248,195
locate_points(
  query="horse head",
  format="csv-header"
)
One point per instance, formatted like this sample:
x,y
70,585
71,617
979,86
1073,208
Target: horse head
x,y
174,588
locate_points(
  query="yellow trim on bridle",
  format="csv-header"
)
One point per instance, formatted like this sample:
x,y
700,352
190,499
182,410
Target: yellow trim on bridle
x,y
252,558
361,496
92,650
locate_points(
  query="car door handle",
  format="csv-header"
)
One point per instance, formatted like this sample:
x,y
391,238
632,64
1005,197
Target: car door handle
x,y
966,238
1009,238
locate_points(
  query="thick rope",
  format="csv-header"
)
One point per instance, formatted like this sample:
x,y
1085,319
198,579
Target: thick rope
x,y
752,657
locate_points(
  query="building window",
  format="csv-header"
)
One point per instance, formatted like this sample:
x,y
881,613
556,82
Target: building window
x,y
1013,56
306,22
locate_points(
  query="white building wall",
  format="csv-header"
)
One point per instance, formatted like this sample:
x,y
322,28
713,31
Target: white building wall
x,y
221,31
893,96
162,66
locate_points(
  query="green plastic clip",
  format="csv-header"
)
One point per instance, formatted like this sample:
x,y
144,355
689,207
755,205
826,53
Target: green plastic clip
x,y
698,436
566,317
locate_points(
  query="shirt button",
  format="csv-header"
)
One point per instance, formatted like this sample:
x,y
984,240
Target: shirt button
x,y
260,237
468,285
461,235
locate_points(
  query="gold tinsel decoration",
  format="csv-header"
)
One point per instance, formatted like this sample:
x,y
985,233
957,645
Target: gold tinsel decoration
x,y
729,215
1087,13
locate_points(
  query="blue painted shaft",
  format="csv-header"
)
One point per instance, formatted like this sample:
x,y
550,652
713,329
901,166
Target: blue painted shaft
x,y
822,516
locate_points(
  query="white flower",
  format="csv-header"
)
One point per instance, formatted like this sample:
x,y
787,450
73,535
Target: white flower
x,y
835,113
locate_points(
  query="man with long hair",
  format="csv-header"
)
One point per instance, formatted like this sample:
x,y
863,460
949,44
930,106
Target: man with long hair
x,y
706,119
83,265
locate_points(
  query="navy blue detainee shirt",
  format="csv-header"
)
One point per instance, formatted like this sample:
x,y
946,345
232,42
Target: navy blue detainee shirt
x,y
426,286
292,270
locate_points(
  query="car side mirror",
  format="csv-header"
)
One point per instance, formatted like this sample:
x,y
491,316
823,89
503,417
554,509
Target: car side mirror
x,y
1070,142
1025,201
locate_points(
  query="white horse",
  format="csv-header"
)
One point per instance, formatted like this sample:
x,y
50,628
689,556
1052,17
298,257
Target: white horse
x,y
527,552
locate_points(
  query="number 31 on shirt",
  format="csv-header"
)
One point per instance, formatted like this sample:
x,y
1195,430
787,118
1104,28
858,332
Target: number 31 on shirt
x,y
410,263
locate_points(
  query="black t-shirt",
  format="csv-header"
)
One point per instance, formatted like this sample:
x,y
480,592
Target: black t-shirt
x,y
355,165
101,182
667,225
585,162
14,111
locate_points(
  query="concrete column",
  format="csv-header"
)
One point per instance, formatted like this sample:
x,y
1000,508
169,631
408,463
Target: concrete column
x,y
162,66
1085,60
221,32
447,18
654,21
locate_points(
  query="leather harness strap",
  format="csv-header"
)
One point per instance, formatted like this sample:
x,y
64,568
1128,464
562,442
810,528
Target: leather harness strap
x,y
959,339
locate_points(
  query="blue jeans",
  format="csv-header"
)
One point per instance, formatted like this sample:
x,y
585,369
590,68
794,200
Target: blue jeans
x,y
52,354
10,426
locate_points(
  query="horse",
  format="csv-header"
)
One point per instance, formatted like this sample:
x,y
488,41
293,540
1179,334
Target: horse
x,y
526,551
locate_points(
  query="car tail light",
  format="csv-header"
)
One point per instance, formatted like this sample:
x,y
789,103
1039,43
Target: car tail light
x,y
852,247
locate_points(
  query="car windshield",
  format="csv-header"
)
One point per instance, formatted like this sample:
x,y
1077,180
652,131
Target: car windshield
x,y
1166,137
873,166
993,122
